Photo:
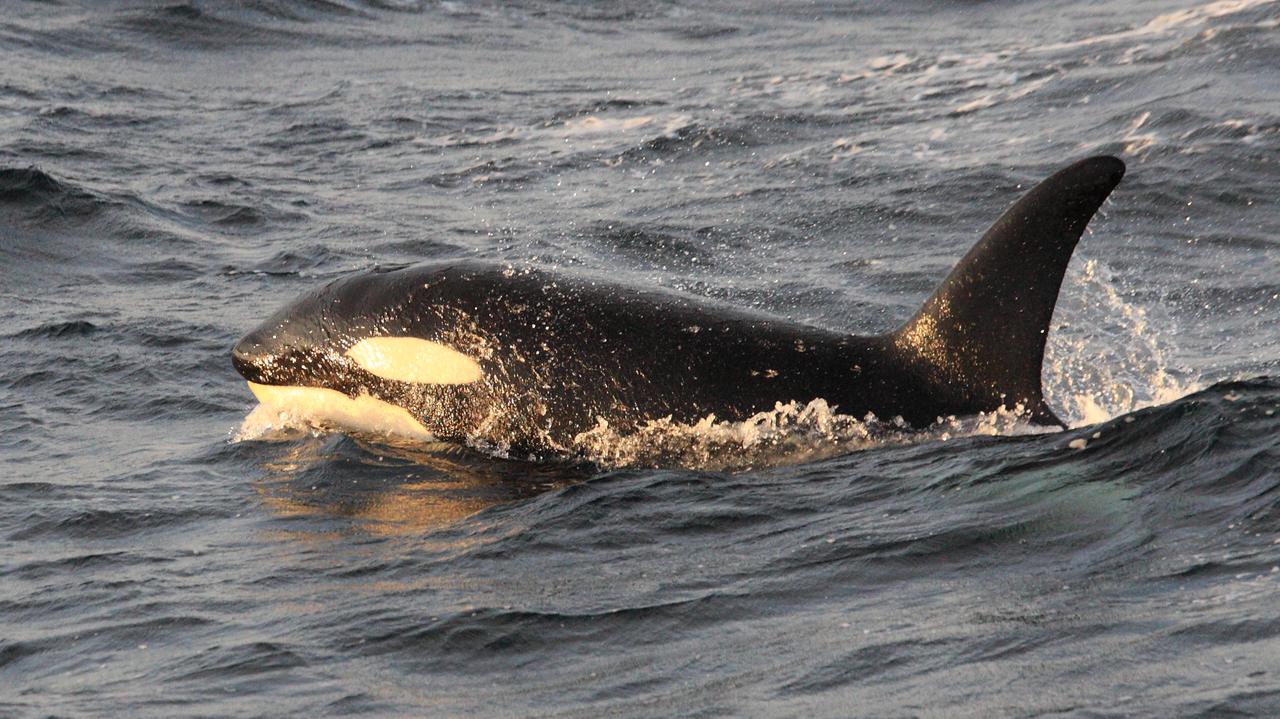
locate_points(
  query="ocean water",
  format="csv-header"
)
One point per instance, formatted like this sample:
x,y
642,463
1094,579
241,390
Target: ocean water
x,y
171,173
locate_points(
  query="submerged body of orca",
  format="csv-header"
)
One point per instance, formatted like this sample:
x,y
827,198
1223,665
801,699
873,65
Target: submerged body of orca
x,y
530,359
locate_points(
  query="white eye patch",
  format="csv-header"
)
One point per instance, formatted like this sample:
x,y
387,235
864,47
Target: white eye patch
x,y
409,359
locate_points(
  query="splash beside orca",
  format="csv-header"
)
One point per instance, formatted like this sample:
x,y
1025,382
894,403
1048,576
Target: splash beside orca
x,y
529,359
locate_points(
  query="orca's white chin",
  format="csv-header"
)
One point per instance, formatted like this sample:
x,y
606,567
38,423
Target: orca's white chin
x,y
330,408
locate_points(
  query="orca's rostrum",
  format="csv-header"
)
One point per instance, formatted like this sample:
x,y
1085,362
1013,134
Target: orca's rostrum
x,y
530,359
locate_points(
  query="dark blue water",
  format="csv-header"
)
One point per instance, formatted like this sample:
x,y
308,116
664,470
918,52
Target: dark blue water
x,y
170,174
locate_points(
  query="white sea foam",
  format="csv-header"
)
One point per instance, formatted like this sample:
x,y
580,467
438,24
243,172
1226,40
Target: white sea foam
x,y
592,124
1105,358
1166,22
790,433
273,423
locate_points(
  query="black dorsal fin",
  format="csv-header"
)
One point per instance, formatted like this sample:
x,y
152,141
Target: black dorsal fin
x,y
981,336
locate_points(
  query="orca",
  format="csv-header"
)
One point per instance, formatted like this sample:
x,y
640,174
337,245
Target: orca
x,y
528,359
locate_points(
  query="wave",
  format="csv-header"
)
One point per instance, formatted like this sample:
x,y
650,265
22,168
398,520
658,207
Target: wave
x,y
189,25
581,141
117,234
199,26
303,261
59,330
100,524
237,217
690,138
52,211
1165,23
36,195
242,660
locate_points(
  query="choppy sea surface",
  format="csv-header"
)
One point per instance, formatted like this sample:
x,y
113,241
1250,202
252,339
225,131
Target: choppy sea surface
x,y
171,173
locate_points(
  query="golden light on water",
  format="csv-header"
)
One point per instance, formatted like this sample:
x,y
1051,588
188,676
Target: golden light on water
x,y
411,490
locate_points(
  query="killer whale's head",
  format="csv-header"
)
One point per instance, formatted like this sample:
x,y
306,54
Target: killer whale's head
x,y
359,352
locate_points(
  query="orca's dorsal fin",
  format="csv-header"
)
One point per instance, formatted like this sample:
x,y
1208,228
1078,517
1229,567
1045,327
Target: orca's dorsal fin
x,y
980,338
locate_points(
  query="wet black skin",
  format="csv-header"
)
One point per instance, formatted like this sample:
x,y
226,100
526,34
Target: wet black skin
x,y
577,349
561,351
